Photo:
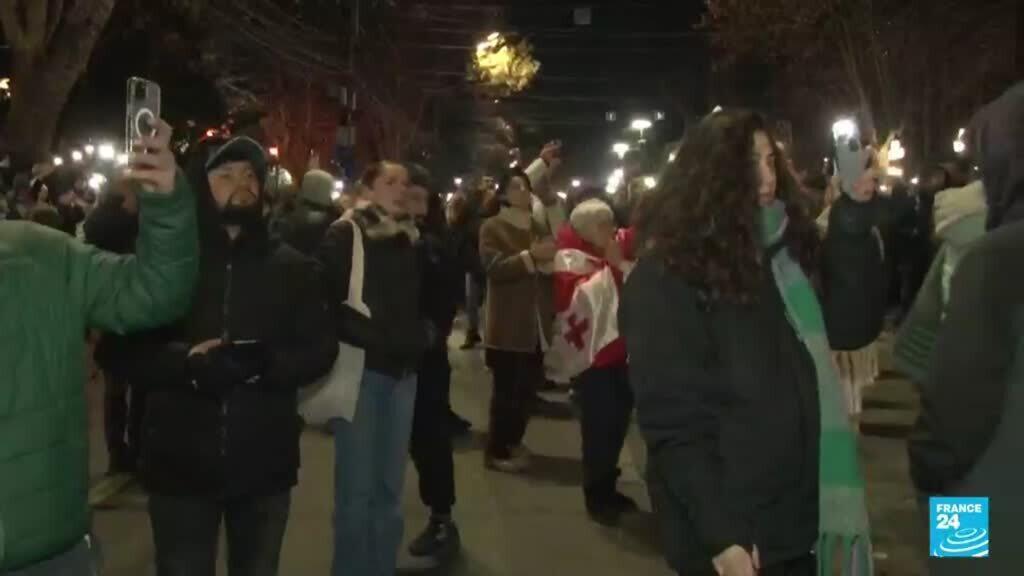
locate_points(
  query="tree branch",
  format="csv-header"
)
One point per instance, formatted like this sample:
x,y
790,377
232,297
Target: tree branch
x,y
14,28
35,24
55,15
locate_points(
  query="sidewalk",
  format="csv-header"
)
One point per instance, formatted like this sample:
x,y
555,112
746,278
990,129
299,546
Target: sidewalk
x,y
536,524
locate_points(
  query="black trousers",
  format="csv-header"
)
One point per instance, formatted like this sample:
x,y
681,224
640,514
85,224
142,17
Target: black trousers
x,y
186,531
517,376
606,404
122,419
431,443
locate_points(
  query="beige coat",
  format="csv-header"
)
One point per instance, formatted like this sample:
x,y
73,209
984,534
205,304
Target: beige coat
x,y
519,295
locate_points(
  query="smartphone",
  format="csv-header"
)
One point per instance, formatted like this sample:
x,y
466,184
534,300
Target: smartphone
x,y
142,111
853,159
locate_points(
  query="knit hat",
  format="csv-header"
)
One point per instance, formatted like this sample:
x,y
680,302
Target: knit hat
x,y
317,188
240,149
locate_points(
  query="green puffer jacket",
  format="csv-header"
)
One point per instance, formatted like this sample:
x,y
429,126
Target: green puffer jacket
x,y
52,288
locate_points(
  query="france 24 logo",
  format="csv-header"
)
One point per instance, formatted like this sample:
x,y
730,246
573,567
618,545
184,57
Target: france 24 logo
x,y
959,527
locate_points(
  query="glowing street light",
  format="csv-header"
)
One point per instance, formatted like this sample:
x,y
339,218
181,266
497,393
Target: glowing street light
x,y
122,159
90,149
58,161
562,194
458,181
274,152
915,180
671,157
959,145
620,149
717,109
106,151
650,182
894,171
641,125
576,183
76,156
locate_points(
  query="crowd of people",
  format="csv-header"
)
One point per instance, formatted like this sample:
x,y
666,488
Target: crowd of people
x,y
728,310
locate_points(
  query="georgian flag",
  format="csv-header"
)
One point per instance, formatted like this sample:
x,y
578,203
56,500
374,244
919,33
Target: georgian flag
x,y
586,308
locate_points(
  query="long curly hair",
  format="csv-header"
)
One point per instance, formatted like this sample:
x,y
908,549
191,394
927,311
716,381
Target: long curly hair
x,y
702,220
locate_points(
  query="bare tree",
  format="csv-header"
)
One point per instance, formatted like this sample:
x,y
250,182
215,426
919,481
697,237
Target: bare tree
x,y
51,42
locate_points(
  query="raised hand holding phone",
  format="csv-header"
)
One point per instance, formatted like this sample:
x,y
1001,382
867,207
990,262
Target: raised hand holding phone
x,y
152,163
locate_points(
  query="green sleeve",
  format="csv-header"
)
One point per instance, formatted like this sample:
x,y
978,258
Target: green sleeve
x,y
154,286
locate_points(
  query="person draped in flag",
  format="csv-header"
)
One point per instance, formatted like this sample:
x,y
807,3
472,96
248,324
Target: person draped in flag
x,y
592,261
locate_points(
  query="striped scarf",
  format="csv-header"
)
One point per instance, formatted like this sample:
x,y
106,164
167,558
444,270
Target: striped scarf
x,y
842,518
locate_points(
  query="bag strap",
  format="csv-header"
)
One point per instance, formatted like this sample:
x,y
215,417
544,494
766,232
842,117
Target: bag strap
x,y
355,278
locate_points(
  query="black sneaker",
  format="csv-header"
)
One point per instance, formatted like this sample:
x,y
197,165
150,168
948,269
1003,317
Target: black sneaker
x,y
439,540
605,514
624,503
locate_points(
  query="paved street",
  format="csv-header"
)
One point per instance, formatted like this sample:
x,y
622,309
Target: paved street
x,y
536,524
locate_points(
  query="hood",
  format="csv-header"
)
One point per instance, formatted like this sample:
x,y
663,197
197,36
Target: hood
x,y
211,228
997,135
317,188
960,213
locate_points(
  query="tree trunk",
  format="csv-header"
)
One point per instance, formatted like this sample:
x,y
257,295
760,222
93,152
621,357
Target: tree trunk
x,y
42,80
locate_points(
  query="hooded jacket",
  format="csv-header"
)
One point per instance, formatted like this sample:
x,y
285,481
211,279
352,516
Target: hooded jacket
x,y
305,226
213,433
967,440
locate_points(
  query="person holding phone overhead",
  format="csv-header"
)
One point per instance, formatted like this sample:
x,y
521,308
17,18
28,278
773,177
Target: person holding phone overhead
x,y
515,250
53,287
221,430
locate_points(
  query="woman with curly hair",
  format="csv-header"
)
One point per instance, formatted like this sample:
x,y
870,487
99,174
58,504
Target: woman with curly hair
x,y
752,463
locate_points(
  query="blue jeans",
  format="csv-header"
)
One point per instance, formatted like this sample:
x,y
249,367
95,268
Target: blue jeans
x,y
369,470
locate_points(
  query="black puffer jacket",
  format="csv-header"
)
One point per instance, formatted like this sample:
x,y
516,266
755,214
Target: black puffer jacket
x,y
243,440
395,335
853,274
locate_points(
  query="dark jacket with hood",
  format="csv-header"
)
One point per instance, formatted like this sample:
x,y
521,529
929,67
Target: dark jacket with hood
x,y
225,424
968,439
394,336
439,284
853,274
305,226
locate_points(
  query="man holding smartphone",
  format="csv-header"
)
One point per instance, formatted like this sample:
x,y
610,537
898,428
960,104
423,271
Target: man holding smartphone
x,y
52,288
221,429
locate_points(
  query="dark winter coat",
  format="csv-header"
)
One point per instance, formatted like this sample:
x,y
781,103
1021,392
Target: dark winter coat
x,y
439,288
727,401
304,228
394,336
853,275
967,441
214,432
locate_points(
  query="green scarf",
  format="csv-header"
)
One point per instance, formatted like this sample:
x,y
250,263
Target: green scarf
x,y
842,518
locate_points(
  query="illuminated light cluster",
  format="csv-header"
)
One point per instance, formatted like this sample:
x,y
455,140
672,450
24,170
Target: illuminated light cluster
x,y
620,149
614,181
896,150
503,65
96,181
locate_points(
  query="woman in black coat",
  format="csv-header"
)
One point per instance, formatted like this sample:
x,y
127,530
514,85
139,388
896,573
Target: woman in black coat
x,y
726,392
